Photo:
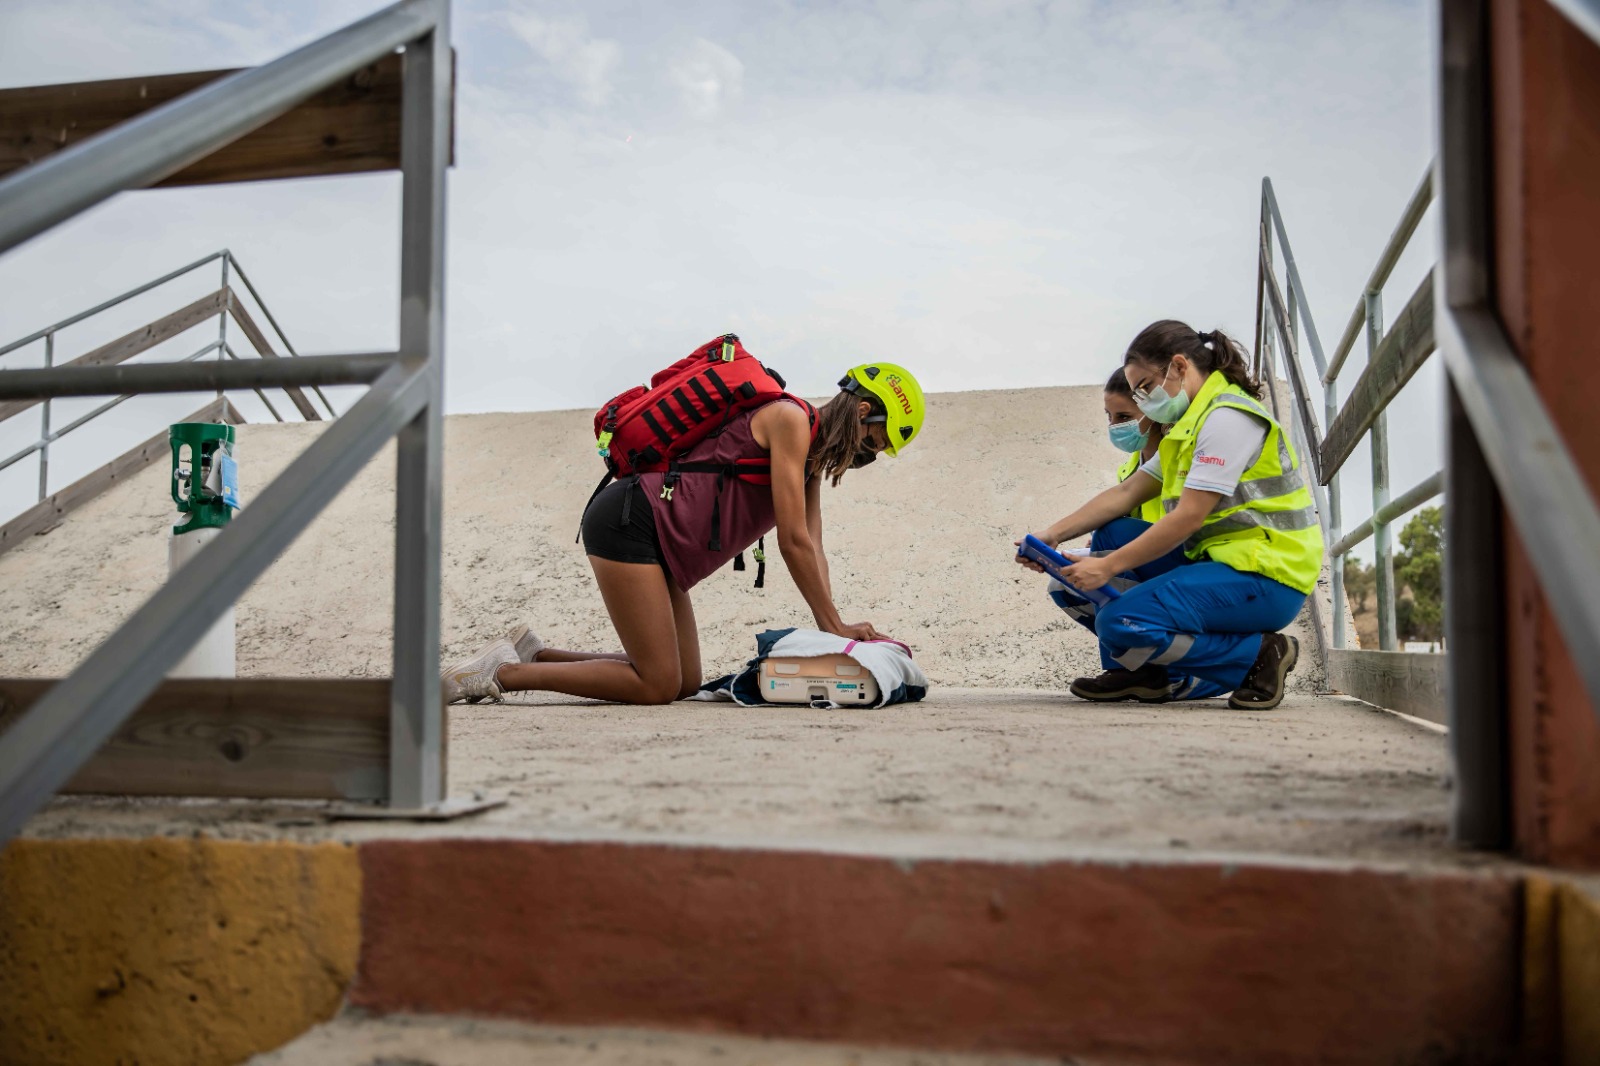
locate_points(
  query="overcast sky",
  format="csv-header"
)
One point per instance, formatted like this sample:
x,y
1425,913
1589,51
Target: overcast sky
x,y
995,193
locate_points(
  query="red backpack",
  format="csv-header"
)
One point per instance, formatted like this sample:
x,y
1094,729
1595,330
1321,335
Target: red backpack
x,y
647,428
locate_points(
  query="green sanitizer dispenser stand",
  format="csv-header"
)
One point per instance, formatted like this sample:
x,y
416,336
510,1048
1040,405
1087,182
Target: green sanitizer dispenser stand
x,y
205,487
205,480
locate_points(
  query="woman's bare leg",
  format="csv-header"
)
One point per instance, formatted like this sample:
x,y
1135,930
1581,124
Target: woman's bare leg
x,y
560,655
689,671
644,608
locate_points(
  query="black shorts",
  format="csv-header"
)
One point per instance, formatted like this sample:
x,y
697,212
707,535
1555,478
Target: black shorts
x,y
606,535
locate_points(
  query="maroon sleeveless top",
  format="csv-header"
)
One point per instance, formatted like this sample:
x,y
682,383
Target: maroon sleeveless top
x,y
684,523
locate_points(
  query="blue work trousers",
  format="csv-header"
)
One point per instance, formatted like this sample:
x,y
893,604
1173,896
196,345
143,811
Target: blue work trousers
x,y
1203,620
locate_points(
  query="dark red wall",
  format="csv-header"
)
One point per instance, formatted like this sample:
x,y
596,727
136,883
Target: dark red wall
x,y
1546,117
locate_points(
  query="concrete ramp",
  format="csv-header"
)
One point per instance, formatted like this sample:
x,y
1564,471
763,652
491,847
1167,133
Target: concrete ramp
x,y
919,545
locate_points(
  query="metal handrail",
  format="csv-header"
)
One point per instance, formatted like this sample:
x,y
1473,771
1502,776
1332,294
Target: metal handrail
x,y
1584,14
51,436
1281,324
186,376
65,727
73,320
49,334
1401,505
1398,240
1504,456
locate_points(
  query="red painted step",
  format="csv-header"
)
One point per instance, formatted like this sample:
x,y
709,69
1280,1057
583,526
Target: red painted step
x,y
1149,961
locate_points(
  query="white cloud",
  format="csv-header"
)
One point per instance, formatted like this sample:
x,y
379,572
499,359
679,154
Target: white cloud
x,y
708,78
588,64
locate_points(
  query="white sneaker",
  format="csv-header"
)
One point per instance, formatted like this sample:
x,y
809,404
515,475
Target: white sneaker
x,y
526,642
473,679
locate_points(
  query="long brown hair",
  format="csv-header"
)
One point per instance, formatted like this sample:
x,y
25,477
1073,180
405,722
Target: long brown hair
x,y
839,435
1211,352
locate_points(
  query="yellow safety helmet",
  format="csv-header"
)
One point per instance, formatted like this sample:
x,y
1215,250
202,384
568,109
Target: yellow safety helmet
x,y
898,392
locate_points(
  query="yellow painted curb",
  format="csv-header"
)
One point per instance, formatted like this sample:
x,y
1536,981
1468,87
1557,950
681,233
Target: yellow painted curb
x,y
1561,972
171,951
1579,926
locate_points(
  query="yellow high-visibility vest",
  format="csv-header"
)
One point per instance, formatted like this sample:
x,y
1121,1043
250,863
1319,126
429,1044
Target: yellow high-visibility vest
x,y
1269,525
1150,510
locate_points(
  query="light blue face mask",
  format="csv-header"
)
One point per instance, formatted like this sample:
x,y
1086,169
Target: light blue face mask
x,y
1161,406
1127,436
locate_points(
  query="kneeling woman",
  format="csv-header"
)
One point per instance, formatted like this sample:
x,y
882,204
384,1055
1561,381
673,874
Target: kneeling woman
x,y
648,547
1234,555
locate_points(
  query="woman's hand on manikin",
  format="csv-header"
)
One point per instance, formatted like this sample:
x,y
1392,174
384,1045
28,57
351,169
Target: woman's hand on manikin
x,y
859,631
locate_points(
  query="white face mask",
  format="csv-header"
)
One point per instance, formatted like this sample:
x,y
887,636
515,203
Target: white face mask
x,y
1161,406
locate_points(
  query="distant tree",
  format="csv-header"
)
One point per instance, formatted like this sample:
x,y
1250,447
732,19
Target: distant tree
x,y
1420,568
1359,581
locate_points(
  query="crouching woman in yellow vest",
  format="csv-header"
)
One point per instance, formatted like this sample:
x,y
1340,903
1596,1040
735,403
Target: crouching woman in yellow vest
x,y
1236,550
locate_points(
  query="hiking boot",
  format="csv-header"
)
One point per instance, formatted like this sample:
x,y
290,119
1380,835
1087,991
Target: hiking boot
x,y
1262,688
1148,684
474,678
527,644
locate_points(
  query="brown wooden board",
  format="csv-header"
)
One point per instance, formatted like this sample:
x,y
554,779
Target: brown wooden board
x,y
287,738
351,128
48,513
139,341
1404,349
263,347
1405,681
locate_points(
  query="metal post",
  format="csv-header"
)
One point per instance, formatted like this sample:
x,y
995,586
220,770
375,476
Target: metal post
x,y
1383,564
1474,556
222,319
1267,373
1330,411
1475,631
1264,242
416,762
44,428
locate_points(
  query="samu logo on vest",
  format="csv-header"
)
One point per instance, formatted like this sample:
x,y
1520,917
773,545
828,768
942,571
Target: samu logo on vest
x,y
894,384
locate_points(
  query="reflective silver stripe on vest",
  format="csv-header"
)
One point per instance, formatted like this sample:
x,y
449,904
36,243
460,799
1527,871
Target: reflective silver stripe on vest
x,y
1262,488
1238,522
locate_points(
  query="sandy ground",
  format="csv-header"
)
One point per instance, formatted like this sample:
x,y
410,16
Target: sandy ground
x,y
919,545
970,771
357,1040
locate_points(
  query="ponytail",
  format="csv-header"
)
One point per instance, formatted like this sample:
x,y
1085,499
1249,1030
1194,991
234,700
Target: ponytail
x,y
1212,352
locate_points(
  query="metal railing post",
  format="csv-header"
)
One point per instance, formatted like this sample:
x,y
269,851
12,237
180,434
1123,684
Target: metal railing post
x,y
1330,411
416,764
1474,557
1266,360
1265,252
44,422
1383,563
222,318
1475,632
